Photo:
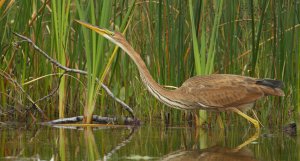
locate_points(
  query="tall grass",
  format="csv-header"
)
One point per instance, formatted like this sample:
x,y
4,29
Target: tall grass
x,y
94,49
177,39
96,56
298,75
60,19
205,57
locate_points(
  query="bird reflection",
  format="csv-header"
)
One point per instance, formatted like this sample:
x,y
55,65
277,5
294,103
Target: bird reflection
x,y
215,153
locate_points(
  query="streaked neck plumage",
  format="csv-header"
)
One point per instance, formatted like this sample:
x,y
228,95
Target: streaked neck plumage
x,y
162,94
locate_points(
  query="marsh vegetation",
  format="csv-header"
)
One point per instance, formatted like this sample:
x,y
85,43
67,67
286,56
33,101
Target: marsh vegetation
x,y
177,40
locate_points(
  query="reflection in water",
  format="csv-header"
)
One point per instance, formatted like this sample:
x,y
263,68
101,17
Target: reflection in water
x,y
143,143
120,145
215,153
62,144
92,152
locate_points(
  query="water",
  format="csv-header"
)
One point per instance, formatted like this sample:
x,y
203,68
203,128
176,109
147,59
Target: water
x,y
147,142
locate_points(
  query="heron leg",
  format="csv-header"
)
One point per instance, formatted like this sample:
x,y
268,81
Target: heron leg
x,y
253,121
250,140
219,120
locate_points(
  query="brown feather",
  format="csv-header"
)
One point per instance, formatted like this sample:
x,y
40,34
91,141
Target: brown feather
x,y
222,91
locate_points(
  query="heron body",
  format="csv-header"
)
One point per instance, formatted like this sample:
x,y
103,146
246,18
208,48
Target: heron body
x,y
217,92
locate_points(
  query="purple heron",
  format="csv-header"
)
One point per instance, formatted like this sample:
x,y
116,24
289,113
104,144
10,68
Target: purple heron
x,y
216,92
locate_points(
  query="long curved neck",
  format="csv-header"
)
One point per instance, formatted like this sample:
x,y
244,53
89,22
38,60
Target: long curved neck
x,y
143,70
163,95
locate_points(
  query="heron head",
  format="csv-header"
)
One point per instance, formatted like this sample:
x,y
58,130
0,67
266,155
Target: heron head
x,y
114,37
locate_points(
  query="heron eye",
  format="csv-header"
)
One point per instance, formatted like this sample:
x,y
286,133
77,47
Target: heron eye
x,y
110,33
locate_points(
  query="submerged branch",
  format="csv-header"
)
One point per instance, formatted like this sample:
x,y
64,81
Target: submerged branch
x,y
97,119
66,69
120,145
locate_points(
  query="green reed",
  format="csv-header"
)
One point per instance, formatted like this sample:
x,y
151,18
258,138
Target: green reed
x,y
205,57
298,78
13,61
255,38
94,49
60,19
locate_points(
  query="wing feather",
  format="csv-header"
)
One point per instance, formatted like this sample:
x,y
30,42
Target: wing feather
x,y
221,90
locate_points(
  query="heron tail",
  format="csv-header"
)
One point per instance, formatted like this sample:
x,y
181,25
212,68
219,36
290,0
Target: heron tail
x,y
274,87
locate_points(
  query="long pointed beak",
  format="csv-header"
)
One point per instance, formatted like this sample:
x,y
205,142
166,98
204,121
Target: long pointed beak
x,y
101,31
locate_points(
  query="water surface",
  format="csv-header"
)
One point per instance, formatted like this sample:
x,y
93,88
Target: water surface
x,y
147,142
